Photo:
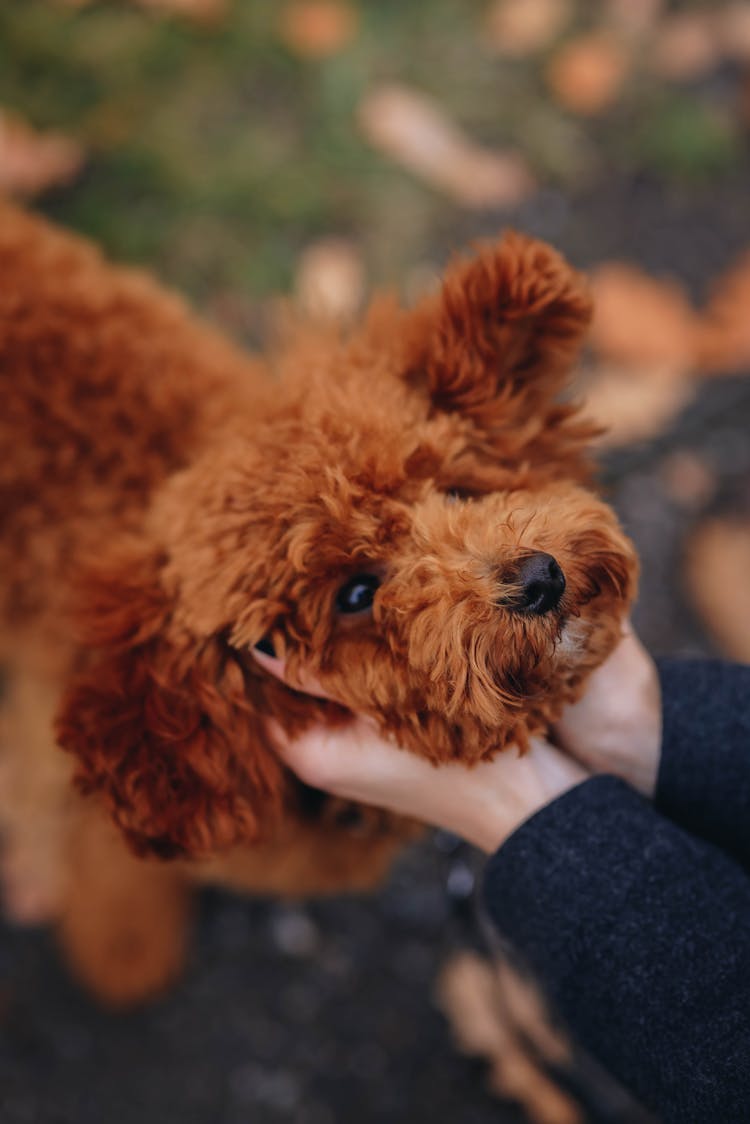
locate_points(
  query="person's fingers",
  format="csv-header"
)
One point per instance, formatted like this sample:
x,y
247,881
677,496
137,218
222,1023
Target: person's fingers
x,y
313,755
354,760
276,666
615,726
482,804
357,762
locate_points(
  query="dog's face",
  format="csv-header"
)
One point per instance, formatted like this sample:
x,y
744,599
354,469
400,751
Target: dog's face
x,y
407,520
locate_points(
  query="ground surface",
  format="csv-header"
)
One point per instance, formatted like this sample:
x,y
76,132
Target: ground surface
x,y
322,1013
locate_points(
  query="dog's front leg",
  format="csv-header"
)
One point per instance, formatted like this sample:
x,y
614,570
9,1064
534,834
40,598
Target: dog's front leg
x,y
35,788
123,926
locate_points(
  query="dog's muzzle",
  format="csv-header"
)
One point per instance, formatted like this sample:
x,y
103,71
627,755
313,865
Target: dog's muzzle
x,y
541,585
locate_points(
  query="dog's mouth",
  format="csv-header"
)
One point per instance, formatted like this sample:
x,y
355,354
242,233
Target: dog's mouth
x,y
596,598
572,638
571,600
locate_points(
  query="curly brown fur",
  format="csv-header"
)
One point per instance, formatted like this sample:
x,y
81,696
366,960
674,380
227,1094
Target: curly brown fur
x,y
166,503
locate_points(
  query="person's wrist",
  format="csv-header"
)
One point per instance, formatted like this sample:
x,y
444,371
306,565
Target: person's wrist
x,y
486,808
632,754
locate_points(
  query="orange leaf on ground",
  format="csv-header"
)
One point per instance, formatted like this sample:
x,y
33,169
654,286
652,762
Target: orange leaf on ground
x,y
413,130
633,403
587,74
32,162
639,319
317,28
330,279
717,564
633,18
495,1015
686,46
519,27
724,329
733,29
688,479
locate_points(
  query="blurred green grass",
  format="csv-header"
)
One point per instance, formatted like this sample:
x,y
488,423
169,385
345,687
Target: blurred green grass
x,y
216,154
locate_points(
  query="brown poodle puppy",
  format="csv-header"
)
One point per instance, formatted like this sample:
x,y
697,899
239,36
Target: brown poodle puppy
x,y
402,510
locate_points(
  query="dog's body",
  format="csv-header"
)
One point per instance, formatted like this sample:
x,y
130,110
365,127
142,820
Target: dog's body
x,y
381,511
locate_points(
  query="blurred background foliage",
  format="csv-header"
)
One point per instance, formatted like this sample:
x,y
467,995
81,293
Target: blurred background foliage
x,y
220,139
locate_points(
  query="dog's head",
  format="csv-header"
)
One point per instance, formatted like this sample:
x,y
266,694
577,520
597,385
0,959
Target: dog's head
x,y
406,518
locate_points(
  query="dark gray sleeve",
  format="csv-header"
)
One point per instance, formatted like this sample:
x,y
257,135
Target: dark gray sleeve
x,y
704,773
640,935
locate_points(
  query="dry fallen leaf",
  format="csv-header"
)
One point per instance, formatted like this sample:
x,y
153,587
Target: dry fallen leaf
x,y
519,27
650,343
723,338
587,74
465,991
32,161
717,565
317,28
633,18
686,46
633,403
688,480
330,279
733,30
641,319
473,995
412,129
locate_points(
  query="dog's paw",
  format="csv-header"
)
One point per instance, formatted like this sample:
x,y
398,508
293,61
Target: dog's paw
x,y
126,964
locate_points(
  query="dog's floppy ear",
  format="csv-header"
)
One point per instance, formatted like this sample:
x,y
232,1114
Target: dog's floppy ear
x,y
502,333
160,723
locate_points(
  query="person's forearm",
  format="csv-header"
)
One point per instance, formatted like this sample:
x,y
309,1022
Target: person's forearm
x,y
704,773
640,935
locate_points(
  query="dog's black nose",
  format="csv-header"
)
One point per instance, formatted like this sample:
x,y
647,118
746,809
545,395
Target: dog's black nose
x,y
542,584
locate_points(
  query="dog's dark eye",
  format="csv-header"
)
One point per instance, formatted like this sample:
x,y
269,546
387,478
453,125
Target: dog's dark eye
x,y
358,594
456,495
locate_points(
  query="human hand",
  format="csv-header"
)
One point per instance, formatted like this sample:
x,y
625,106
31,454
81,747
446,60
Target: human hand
x,y
483,804
616,727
